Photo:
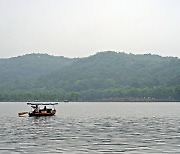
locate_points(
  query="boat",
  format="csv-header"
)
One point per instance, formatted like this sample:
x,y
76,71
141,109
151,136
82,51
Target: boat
x,y
42,109
66,101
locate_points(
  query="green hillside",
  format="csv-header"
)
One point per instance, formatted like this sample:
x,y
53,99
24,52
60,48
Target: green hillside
x,y
104,76
22,72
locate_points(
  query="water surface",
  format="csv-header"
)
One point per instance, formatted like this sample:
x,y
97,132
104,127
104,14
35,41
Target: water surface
x,y
92,128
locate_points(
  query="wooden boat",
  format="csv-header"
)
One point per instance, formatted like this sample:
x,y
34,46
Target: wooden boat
x,y
45,111
66,101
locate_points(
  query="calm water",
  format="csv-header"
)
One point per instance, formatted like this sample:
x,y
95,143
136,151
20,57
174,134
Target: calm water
x,y
92,128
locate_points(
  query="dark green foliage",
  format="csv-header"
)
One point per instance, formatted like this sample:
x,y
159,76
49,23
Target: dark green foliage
x,y
104,76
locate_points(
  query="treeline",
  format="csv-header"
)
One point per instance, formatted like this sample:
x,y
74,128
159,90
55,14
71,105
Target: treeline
x,y
43,96
123,94
133,94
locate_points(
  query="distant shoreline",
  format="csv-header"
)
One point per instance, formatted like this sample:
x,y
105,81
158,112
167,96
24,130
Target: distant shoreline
x,y
125,101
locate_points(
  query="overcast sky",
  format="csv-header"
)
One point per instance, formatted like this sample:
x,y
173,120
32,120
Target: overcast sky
x,y
79,28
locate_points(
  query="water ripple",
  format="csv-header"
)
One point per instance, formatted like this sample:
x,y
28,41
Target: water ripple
x,y
88,134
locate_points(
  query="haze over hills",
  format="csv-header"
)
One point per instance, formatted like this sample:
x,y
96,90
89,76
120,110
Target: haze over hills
x,y
103,76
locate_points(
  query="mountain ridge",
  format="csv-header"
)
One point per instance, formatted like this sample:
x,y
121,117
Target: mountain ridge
x,y
105,75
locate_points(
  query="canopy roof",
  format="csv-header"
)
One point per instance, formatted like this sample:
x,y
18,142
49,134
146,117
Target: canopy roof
x,y
42,103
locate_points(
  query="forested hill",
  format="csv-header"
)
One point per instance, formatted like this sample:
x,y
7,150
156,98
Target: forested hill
x,y
100,77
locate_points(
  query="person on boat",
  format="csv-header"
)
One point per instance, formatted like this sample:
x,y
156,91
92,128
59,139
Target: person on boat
x,y
45,108
36,109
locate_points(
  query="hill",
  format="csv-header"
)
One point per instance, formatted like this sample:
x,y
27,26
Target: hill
x,y
103,76
22,72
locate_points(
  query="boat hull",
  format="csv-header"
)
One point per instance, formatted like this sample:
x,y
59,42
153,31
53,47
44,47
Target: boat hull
x,y
38,114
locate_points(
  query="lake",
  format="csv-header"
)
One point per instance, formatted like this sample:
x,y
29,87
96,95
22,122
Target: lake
x,y
92,127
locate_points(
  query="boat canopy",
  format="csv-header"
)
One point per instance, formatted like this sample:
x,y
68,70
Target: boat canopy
x,y
42,103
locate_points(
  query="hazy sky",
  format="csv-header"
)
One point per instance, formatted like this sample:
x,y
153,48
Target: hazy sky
x,y
79,28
